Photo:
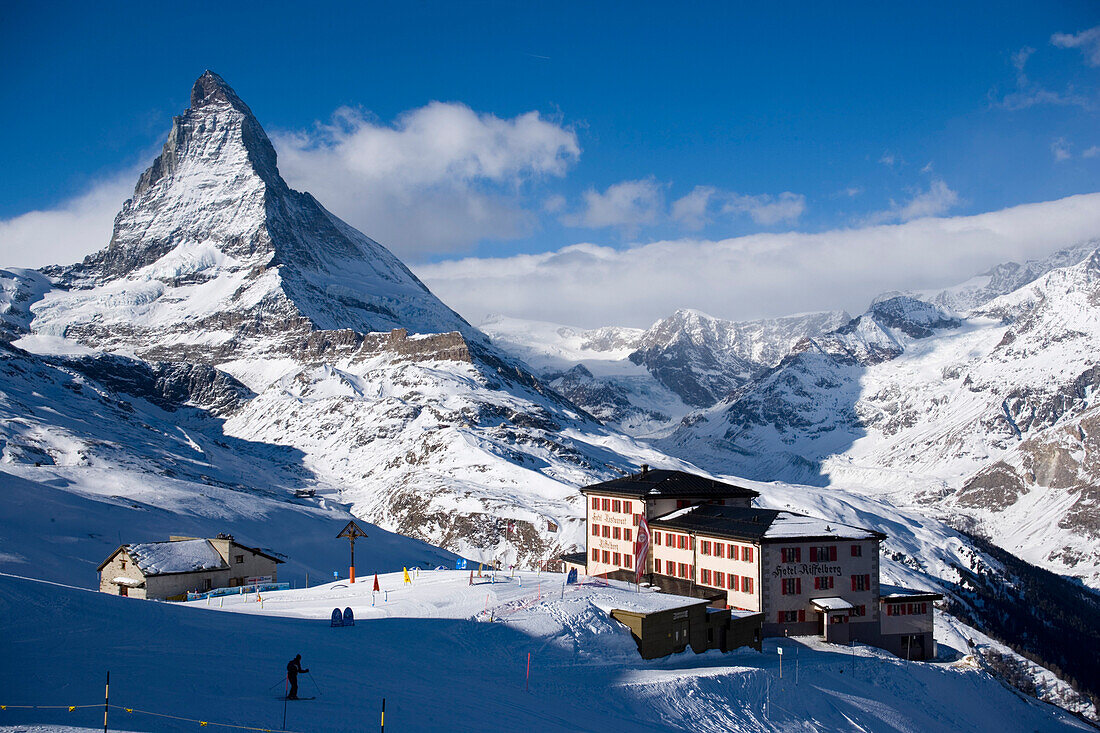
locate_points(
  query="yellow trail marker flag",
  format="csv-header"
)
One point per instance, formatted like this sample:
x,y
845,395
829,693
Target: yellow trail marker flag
x,y
407,580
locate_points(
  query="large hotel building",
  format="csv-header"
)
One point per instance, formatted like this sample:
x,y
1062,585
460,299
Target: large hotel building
x,y
804,575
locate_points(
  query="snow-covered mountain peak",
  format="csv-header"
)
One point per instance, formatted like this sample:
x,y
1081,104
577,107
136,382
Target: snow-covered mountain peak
x,y
215,257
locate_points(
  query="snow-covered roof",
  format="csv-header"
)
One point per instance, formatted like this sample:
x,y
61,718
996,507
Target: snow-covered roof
x,y
182,556
754,524
897,592
832,603
613,598
788,524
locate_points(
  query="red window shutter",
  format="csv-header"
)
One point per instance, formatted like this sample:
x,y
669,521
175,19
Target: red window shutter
x,y
750,585
832,552
628,561
595,503
867,581
817,583
782,587
813,554
798,586
595,556
798,554
749,556
889,610
656,538
691,572
801,615
855,550
779,617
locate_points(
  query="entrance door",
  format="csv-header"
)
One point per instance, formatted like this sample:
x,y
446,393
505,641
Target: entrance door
x,y
820,622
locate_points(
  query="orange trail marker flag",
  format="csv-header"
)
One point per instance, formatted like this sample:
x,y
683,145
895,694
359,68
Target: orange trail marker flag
x,y
376,582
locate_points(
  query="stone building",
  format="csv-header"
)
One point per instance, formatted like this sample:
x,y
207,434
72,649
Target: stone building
x,y
804,575
168,570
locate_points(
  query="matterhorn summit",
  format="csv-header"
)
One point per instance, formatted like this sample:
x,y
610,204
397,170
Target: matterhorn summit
x,y
214,256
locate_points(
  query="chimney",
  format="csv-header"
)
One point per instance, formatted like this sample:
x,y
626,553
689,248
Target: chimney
x,y
645,468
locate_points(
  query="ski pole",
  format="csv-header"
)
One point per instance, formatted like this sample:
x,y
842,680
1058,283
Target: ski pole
x,y
315,683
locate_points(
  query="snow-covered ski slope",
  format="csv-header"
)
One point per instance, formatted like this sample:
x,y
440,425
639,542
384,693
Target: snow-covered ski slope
x,y
441,667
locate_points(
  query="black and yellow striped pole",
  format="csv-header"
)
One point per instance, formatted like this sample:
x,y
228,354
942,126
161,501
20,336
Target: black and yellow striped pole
x,y
106,700
383,715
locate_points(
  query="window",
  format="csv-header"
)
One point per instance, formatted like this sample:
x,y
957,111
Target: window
x,y
791,554
595,503
857,550
628,507
617,558
732,554
746,584
683,568
607,505
605,530
656,538
207,584
822,554
746,554
861,582
123,590
705,548
859,611
720,579
670,568
637,519
122,564
627,533
628,561
719,549
691,572
823,582
607,557
595,556
790,617
791,586
239,559
616,506
616,533
704,577
682,541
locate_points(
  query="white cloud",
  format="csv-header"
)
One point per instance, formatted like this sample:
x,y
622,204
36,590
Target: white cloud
x,y
758,275
938,199
765,209
691,210
1029,94
888,159
1060,150
1088,41
1091,152
629,205
66,233
440,178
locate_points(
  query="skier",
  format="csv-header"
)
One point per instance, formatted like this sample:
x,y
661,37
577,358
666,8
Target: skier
x,y
293,667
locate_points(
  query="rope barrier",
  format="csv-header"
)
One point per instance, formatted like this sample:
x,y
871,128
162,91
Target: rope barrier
x,y
202,723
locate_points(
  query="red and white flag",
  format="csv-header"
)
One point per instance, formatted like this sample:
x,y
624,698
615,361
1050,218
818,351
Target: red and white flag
x,y
641,549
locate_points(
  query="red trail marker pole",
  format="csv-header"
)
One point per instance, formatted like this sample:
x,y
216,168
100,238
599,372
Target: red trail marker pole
x,y
527,684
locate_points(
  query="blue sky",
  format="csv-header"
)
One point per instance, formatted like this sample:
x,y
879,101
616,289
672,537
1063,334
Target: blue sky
x,y
617,125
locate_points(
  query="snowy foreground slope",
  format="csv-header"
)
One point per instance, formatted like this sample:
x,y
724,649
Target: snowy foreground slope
x,y
440,665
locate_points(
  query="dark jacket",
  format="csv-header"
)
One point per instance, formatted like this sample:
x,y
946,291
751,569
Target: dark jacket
x,y
293,667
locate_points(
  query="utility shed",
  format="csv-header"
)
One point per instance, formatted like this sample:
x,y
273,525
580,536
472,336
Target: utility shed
x,y
662,625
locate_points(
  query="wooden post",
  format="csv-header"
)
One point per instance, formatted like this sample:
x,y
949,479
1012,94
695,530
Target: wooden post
x,y
106,700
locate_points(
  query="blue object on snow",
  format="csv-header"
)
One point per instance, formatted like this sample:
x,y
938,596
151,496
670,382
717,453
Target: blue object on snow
x,y
460,564
572,577
349,617
337,618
